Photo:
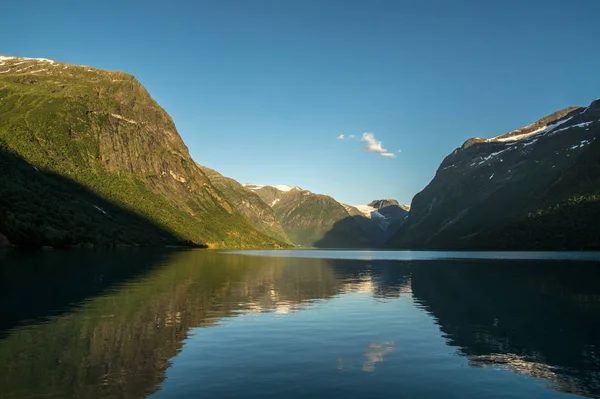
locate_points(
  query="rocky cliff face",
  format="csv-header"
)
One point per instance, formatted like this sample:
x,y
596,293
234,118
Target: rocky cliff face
x,y
102,129
536,187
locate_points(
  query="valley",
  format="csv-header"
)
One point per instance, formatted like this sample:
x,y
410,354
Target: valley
x,y
114,172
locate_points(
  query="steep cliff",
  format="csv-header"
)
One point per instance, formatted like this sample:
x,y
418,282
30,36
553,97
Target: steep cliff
x,y
102,131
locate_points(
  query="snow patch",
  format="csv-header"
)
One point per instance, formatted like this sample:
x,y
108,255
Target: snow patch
x,y
491,176
583,124
275,201
6,58
366,210
280,187
376,215
580,145
492,155
540,131
285,188
100,209
253,187
40,59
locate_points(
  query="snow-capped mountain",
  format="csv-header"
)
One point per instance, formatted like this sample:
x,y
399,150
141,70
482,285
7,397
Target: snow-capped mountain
x,y
534,187
380,218
281,187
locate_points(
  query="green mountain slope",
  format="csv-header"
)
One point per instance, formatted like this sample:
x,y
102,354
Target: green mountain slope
x,y
535,188
248,204
103,131
313,220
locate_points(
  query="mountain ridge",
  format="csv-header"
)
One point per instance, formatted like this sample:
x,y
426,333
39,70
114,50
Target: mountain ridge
x,y
486,188
102,129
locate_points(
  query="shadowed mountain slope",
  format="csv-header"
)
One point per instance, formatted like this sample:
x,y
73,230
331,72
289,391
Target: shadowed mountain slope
x,y
102,130
535,188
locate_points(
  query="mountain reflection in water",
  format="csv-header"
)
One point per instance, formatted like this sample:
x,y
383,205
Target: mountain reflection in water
x,y
535,318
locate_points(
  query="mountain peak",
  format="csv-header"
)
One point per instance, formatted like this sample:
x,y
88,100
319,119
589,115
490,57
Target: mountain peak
x,y
280,187
4,58
382,203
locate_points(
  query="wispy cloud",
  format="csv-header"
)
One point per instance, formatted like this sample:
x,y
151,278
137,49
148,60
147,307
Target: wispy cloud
x,y
375,145
372,143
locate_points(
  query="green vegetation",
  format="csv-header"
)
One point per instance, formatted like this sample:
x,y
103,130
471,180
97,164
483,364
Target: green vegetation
x,y
570,225
43,208
100,133
315,220
118,342
249,204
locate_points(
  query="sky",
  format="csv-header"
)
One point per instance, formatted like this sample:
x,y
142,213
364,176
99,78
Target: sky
x,y
360,100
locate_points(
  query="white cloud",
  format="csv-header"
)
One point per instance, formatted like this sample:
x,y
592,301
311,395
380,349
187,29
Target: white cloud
x,y
341,137
375,145
352,136
399,150
372,143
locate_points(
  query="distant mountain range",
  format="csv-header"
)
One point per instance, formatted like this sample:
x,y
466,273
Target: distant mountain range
x,y
316,220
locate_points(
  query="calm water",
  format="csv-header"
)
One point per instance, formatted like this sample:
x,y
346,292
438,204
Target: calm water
x,y
203,324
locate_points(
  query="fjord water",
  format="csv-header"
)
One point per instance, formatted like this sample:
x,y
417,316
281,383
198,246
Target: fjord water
x,y
199,323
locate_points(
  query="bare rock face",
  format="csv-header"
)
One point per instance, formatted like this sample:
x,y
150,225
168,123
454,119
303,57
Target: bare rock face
x,y
534,188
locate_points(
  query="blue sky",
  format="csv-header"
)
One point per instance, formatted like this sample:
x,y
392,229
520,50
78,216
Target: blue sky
x,y
261,90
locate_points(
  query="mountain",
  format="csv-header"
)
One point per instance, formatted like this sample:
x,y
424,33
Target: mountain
x,y
248,203
312,220
537,187
89,158
379,219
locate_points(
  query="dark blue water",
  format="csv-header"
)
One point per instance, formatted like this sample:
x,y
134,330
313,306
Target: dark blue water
x,y
202,324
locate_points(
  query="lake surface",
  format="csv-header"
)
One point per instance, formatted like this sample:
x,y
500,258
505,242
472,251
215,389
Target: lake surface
x,y
297,324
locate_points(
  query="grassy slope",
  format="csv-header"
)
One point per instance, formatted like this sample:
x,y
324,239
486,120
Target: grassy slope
x,y
249,204
316,220
103,130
